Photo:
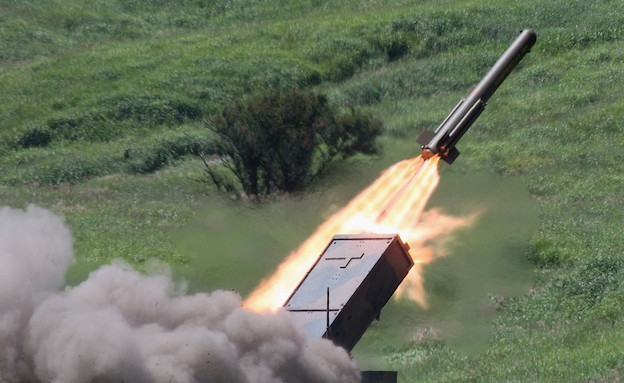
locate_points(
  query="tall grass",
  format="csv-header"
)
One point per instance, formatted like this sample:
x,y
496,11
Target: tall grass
x,y
104,101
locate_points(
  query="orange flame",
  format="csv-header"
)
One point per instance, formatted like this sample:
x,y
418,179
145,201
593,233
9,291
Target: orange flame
x,y
394,203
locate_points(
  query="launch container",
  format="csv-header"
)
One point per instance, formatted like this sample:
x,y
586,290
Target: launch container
x,y
349,284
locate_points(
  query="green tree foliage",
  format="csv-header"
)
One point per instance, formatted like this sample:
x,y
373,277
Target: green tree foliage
x,y
281,139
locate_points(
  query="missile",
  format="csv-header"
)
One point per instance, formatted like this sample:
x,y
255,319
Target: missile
x,y
442,141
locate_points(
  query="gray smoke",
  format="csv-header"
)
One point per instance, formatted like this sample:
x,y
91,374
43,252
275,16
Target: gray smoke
x,y
124,326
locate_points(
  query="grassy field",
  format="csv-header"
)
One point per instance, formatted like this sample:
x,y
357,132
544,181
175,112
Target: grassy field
x,y
103,107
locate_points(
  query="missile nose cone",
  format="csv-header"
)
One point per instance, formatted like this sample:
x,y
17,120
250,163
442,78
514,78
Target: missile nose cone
x,y
530,35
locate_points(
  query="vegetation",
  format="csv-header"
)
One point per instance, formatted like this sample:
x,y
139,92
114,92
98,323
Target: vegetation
x,y
104,104
281,140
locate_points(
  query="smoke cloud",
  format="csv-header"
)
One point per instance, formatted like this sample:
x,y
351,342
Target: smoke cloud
x,y
120,325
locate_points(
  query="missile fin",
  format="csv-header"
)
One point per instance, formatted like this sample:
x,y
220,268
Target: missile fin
x,y
451,156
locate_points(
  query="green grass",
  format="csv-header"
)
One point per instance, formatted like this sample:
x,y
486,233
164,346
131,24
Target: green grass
x,y
104,102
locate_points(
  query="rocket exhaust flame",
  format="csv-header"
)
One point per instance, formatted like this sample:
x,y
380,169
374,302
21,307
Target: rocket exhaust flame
x,y
394,203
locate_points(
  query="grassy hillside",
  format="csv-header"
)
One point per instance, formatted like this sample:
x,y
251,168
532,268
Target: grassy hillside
x,y
103,106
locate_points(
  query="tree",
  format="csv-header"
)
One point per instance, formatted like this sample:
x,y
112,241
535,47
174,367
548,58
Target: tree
x,y
278,141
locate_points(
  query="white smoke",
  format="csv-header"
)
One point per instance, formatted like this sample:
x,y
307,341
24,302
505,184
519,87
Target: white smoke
x,y
124,326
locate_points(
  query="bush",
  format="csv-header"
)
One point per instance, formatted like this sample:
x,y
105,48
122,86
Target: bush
x,y
280,140
72,170
150,110
149,158
117,116
36,136
145,160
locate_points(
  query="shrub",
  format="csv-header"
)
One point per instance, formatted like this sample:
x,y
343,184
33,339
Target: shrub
x,y
35,136
150,110
280,140
149,158
353,132
72,170
119,115
145,160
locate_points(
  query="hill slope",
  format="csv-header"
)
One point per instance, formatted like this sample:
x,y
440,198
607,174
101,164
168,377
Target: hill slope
x,y
103,102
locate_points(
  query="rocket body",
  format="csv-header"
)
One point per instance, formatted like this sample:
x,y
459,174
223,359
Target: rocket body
x,y
443,140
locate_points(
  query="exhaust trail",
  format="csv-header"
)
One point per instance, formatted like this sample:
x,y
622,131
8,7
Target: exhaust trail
x,y
120,325
394,203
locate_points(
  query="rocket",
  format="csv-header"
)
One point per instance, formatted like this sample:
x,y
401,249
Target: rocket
x,y
442,142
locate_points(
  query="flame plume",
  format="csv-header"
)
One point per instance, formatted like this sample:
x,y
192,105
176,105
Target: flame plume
x,y
394,203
